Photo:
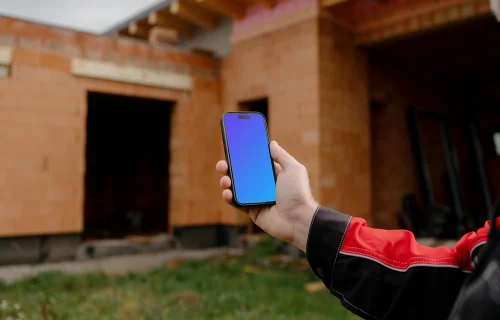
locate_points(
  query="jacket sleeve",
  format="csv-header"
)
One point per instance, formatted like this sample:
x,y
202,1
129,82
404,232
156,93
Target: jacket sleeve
x,y
386,274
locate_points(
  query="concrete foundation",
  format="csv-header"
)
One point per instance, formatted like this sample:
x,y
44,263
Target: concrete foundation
x,y
54,248
119,247
208,236
38,249
20,250
60,247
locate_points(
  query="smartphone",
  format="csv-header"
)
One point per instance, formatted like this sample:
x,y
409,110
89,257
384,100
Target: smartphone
x,y
251,168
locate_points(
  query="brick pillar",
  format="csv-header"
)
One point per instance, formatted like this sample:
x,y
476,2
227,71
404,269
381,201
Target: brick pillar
x,y
283,66
317,86
345,160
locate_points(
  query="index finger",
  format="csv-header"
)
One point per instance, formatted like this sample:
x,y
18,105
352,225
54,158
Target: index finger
x,y
222,167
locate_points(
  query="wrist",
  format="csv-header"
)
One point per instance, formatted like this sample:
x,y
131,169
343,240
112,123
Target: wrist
x,y
302,225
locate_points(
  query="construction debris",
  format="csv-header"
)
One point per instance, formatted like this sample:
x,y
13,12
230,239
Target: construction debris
x,y
313,287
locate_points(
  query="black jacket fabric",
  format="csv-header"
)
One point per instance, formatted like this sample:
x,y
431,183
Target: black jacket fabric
x,y
386,274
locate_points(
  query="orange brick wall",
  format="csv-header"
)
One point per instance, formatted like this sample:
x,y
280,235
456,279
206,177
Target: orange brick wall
x,y
282,66
199,190
318,90
42,127
345,174
317,86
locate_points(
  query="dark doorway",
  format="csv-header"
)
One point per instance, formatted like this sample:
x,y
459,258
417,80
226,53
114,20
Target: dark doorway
x,y
127,159
262,106
257,105
450,76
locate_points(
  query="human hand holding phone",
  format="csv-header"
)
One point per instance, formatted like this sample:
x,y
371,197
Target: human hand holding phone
x,y
290,218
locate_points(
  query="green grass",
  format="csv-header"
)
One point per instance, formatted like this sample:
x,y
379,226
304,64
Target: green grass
x,y
246,287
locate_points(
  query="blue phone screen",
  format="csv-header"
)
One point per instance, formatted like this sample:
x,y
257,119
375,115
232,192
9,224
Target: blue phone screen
x,y
247,146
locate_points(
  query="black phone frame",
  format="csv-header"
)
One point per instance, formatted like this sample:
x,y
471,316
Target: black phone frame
x,y
228,159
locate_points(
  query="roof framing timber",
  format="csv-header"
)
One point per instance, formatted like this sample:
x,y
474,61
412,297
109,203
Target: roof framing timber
x,y
193,13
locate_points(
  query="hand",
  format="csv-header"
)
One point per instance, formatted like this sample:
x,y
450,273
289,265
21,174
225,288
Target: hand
x,y
290,219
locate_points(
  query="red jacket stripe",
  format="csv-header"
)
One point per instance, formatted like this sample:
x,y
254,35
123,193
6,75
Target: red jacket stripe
x,y
399,250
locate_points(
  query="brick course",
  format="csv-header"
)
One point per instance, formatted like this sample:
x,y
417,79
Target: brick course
x,y
282,66
43,121
317,86
344,131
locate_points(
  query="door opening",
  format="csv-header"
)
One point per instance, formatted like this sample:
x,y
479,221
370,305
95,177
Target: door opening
x,y
432,161
257,105
127,160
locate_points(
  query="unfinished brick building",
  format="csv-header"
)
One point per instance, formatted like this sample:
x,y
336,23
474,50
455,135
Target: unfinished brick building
x,y
107,136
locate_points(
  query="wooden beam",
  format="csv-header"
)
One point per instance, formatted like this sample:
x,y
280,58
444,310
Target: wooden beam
x,y
163,35
203,51
329,3
114,72
138,30
227,7
167,20
193,13
267,3
427,16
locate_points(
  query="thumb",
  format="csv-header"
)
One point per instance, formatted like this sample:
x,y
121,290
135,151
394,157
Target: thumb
x,y
280,155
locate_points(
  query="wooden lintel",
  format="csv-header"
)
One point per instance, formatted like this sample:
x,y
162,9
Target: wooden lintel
x,y
329,3
227,7
138,30
450,10
267,3
422,18
193,13
5,56
168,20
113,72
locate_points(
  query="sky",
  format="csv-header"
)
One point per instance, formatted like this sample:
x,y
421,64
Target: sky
x,y
94,16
